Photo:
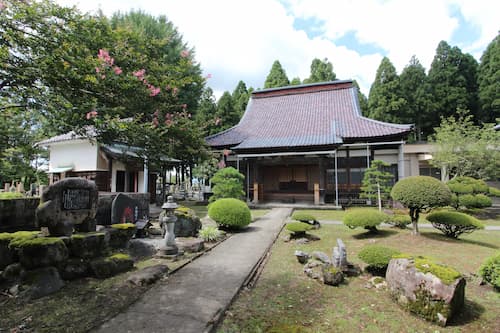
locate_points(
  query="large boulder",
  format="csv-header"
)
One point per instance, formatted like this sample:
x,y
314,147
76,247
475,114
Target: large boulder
x,y
106,267
432,291
88,245
187,224
41,282
40,251
148,275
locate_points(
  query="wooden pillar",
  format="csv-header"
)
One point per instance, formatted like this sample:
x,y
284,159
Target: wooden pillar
x,y
255,192
322,183
316,194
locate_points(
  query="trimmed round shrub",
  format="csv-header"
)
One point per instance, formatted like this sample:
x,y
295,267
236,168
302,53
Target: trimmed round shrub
x,y
227,183
230,213
483,201
460,188
303,217
398,220
367,218
453,224
490,271
474,201
298,228
377,257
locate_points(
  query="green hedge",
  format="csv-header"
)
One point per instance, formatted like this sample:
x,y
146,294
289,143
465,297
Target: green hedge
x,y
453,224
494,192
377,257
474,201
490,271
367,218
303,217
298,228
230,213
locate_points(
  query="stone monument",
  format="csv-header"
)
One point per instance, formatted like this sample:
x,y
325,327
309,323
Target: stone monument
x,y
169,248
67,204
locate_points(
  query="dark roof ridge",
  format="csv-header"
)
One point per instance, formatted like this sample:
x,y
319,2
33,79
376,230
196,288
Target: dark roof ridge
x,y
305,85
221,133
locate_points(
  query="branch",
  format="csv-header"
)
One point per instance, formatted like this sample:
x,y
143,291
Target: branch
x,y
19,106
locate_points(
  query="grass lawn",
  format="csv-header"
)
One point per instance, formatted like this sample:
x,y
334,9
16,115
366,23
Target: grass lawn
x,y
256,213
285,299
319,214
202,210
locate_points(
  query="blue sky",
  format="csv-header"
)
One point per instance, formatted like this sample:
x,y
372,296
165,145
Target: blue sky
x,y
239,40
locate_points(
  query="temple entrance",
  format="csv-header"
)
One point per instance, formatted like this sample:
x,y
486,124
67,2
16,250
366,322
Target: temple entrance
x,y
290,183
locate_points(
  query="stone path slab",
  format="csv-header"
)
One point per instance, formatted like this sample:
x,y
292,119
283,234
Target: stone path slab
x,y
194,298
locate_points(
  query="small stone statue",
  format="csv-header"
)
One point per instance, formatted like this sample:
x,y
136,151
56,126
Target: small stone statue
x,y
169,219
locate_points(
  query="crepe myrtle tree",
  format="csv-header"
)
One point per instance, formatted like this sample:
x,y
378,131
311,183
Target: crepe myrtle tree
x,y
419,193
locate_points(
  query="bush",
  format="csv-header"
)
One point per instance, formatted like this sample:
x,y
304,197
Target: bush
x,y
459,188
474,201
494,192
303,217
228,183
230,213
10,195
210,233
490,271
298,228
453,224
467,185
398,220
367,218
420,192
377,257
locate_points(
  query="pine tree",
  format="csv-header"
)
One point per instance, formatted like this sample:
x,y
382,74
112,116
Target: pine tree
x,y
240,98
277,77
321,71
414,89
384,101
489,82
206,116
226,113
453,84
374,178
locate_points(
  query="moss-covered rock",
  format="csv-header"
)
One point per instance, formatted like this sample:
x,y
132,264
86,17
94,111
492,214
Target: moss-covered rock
x,y
106,267
434,292
120,234
13,272
41,282
331,275
88,245
8,255
40,251
74,268
298,229
188,223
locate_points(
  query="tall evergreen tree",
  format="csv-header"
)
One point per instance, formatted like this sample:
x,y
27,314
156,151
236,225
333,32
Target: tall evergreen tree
x,y
363,101
489,82
321,71
240,98
414,90
276,77
226,113
453,84
295,81
384,101
206,115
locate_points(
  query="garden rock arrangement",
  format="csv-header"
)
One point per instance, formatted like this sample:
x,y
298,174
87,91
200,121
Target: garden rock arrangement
x,y
429,290
330,271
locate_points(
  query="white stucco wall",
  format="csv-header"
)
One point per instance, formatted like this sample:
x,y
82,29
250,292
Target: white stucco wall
x,y
81,154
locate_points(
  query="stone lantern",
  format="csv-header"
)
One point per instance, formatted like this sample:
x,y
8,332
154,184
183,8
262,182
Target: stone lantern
x,y
168,220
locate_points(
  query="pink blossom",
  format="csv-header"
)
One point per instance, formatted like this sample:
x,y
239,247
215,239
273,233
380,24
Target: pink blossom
x,y
184,53
2,5
117,70
91,114
155,122
153,90
168,122
103,55
175,91
140,74
97,69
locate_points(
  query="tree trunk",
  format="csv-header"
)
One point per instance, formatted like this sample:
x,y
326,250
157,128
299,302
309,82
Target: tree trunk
x,y
414,214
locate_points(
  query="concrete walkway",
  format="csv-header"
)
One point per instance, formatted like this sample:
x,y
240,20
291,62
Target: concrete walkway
x,y
420,225
194,298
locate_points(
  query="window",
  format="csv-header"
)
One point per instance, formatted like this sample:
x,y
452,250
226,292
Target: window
x,y
341,176
357,175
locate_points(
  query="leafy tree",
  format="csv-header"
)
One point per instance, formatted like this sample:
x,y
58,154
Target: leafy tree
x,y
81,70
321,71
466,149
206,169
419,193
240,98
384,101
453,84
228,183
363,101
276,77
468,192
414,89
295,81
489,82
376,179
227,115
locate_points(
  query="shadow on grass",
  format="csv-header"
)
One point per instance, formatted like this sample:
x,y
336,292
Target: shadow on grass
x,y
443,238
471,312
247,229
378,234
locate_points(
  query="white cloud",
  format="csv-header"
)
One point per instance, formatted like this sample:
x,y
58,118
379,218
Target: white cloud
x,y
239,40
